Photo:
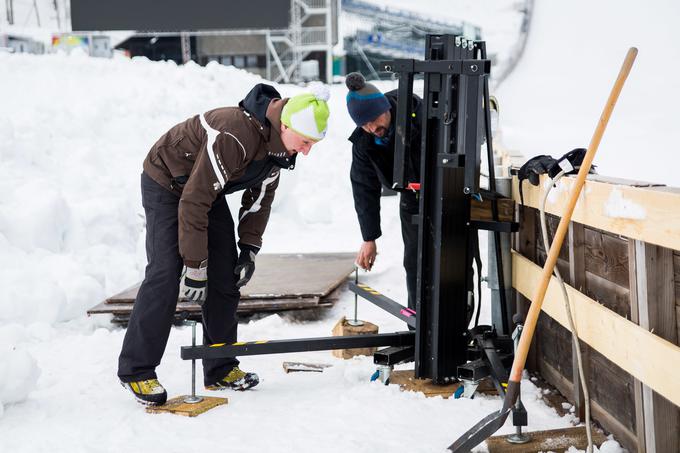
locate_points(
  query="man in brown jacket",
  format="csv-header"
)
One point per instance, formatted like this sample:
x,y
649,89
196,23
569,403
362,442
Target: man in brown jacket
x,y
190,237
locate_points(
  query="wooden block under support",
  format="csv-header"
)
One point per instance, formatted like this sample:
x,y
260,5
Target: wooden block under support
x,y
343,329
406,381
179,407
556,440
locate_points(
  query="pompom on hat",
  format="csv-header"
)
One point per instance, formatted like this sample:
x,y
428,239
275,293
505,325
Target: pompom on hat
x,y
307,113
365,102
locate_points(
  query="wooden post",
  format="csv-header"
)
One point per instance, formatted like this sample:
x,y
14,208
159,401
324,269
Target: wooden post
x,y
656,305
526,246
634,316
577,278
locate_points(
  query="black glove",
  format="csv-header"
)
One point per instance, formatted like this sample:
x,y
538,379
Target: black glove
x,y
535,167
532,169
570,163
245,266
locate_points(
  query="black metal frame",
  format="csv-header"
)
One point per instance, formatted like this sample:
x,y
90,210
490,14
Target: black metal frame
x,y
220,351
455,105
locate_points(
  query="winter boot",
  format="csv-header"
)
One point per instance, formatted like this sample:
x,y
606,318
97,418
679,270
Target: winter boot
x,y
236,379
149,392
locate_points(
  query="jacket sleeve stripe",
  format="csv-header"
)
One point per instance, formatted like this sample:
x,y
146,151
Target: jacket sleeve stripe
x,y
257,204
217,165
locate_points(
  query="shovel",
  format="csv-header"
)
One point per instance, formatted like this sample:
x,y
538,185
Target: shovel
x,y
492,422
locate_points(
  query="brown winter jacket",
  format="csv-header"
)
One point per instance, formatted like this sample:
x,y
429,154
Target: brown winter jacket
x,y
217,153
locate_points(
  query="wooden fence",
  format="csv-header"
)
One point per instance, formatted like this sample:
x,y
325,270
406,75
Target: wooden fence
x,y
621,262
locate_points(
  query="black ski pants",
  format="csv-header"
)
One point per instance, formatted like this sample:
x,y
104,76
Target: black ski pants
x,y
408,207
154,308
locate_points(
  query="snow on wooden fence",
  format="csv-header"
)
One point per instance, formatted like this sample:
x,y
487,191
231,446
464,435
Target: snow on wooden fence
x,y
621,261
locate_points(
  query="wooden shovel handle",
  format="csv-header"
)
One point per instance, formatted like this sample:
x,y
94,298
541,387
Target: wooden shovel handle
x,y
535,308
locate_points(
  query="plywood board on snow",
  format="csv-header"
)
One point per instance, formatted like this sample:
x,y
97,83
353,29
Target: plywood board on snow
x,y
177,406
555,440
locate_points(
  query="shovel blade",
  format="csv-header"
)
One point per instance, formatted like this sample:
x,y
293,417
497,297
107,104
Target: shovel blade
x,y
484,429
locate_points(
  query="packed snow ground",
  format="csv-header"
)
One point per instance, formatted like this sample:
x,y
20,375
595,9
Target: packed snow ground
x,y
73,134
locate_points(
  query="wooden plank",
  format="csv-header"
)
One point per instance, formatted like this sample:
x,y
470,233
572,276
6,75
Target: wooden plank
x,y
407,381
607,256
562,264
527,234
555,345
481,210
609,294
608,422
677,316
656,302
522,304
554,440
644,355
639,213
177,406
551,224
577,278
244,306
612,388
637,385
323,273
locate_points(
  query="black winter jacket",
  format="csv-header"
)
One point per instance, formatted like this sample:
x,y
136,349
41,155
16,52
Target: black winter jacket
x,y
373,166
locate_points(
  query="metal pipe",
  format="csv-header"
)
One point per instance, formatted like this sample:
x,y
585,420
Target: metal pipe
x,y
193,399
355,322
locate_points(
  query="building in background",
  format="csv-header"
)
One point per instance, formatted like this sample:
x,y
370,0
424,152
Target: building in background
x,y
374,33
13,43
281,40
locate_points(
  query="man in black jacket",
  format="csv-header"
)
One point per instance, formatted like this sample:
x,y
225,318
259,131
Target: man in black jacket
x,y
372,166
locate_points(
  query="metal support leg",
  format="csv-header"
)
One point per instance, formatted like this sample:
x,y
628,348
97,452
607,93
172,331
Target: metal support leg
x,y
469,387
193,399
355,322
384,373
519,412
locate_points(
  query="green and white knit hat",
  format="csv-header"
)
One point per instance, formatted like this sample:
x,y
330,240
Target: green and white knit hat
x,y
307,113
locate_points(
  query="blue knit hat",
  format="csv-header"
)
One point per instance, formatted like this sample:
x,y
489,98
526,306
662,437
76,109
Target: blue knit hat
x,y
365,102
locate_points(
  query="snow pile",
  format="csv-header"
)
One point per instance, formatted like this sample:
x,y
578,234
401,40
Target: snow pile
x,y
75,131
18,376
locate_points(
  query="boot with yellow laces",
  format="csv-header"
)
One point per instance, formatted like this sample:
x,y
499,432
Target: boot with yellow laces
x,y
236,379
149,392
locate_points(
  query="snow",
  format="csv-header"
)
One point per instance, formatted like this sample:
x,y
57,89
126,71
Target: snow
x,y
619,207
74,131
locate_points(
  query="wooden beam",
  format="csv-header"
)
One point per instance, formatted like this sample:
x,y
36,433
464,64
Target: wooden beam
x,y
634,317
607,420
555,440
656,305
643,213
481,210
577,277
644,355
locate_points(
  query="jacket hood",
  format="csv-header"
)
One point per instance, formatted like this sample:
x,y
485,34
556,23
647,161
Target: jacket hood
x,y
264,103
257,101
